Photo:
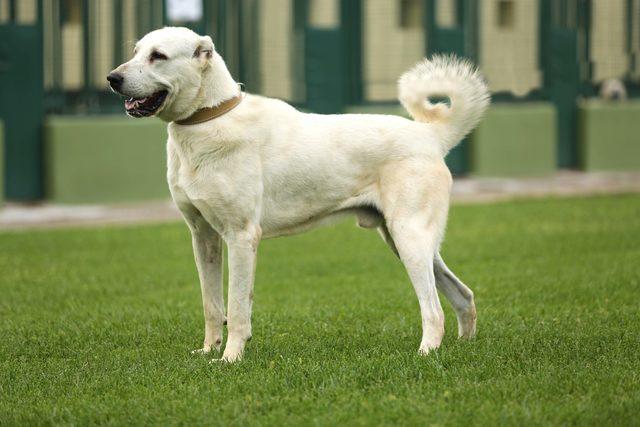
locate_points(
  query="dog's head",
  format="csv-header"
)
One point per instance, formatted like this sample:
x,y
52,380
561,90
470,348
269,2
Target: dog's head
x,y
613,90
165,76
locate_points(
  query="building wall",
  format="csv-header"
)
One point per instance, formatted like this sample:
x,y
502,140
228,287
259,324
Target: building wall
x,y
324,13
276,48
4,11
26,11
608,39
446,13
48,13
72,56
129,30
514,29
635,39
106,159
278,53
393,40
70,52
389,47
103,42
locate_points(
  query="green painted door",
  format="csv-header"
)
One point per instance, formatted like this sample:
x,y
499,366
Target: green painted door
x,y
21,109
324,68
454,37
351,28
333,59
565,38
564,88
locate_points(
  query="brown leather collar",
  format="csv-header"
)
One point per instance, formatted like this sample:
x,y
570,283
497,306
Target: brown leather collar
x,y
210,113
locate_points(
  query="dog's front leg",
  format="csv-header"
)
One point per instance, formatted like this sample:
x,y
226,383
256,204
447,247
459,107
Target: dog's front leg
x,y
207,251
242,252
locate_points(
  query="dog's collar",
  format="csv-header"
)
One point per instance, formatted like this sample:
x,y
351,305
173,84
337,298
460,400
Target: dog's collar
x,y
209,113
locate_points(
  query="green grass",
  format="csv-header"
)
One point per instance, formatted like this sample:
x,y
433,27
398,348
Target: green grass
x,y
97,325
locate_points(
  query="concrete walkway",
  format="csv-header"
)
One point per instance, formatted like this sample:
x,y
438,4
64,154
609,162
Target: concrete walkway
x,y
465,190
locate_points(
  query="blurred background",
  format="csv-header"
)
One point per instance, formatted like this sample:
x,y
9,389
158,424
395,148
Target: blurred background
x,y
564,74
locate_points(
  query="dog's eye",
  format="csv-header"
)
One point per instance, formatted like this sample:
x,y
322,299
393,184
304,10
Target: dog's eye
x,y
157,56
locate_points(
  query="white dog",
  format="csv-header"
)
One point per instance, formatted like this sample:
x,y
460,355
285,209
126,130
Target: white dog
x,y
244,167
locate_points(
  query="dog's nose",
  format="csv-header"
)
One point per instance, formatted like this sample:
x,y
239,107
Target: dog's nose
x,y
115,80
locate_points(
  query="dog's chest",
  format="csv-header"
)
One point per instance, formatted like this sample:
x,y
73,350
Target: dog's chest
x,y
197,178
225,184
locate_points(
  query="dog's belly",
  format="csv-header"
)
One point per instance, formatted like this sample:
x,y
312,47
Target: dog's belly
x,y
272,229
314,184
292,213
367,218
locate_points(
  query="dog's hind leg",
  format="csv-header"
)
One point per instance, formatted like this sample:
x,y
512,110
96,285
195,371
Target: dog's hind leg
x,y
456,292
416,240
383,231
459,295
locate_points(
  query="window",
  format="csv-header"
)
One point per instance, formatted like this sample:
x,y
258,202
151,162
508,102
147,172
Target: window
x,y
505,14
72,12
411,13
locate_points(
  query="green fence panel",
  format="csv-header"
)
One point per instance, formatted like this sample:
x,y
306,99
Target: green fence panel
x,y
103,159
609,135
515,140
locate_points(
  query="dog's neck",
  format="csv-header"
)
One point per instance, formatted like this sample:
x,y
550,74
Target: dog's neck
x,y
217,84
216,87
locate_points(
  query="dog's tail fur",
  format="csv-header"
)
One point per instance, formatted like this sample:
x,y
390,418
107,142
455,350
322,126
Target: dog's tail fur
x,y
445,76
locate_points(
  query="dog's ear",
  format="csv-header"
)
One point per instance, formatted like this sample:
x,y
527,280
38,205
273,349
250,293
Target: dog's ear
x,y
204,50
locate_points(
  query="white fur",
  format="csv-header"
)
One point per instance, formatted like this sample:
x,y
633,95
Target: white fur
x,y
451,77
613,90
265,169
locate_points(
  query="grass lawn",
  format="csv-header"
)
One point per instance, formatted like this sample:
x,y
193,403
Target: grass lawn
x,y
97,324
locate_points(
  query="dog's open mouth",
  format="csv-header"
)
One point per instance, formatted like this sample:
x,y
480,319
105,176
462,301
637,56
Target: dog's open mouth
x,y
145,107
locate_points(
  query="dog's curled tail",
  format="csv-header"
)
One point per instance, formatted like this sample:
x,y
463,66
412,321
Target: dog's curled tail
x,y
451,77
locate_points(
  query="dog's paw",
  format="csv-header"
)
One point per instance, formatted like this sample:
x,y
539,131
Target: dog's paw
x,y
424,351
231,354
467,324
429,344
202,351
232,357
208,348
228,359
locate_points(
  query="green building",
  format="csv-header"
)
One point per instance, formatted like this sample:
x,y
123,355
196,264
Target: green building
x,y
65,137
